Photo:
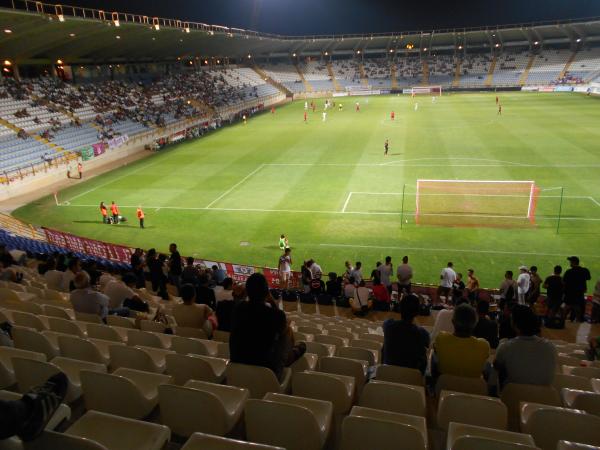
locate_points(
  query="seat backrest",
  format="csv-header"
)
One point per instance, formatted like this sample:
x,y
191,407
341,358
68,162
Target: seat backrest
x,y
186,410
185,367
56,311
221,336
201,441
548,426
471,409
480,443
282,424
357,353
394,397
9,294
588,372
132,358
317,348
345,366
25,319
588,402
359,433
258,380
33,341
8,353
119,321
31,373
571,382
323,386
85,317
397,374
78,348
124,399
513,394
104,332
51,439
372,337
469,385
64,326
151,325
185,345
53,294
191,332
144,338
327,339
26,307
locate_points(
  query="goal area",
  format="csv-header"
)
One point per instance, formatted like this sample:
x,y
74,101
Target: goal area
x,y
476,203
426,90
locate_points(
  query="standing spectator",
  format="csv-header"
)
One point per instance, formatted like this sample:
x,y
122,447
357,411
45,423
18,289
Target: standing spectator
x,y
204,294
405,344
306,276
285,268
575,280
458,288
505,324
472,286
535,283
225,307
316,285
460,353
527,358
523,282
190,273
314,268
554,291
52,276
404,273
140,216
175,268
357,272
219,274
333,286
349,288
190,314
348,271
508,289
137,267
447,277
486,328
385,273
596,303
114,209
86,300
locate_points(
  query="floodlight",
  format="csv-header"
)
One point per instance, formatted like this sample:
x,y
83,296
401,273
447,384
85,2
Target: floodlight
x,y
59,61
7,31
7,62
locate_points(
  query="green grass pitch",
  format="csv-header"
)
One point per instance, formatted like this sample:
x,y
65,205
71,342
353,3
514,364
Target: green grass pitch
x,y
250,183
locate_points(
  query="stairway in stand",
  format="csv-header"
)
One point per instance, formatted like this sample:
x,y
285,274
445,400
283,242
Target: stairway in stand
x,y
261,73
490,74
336,85
307,86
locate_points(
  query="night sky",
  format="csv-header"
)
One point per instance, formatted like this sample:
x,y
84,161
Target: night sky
x,y
305,17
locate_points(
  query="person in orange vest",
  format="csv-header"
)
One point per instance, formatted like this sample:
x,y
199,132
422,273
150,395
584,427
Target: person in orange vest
x,y
140,216
114,209
80,170
104,212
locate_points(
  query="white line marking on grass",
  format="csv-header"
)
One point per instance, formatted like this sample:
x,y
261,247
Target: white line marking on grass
x,y
401,163
234,186
457,250
511,163
346,202
595,201
145,166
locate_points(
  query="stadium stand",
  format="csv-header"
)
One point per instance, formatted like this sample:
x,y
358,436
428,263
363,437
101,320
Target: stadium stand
x,y
409,71
378,73
285,74
547,66
510,67
315,72
441,70
586,65
346,72
475,69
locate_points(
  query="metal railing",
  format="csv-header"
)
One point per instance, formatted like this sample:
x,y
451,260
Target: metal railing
x,y
52,162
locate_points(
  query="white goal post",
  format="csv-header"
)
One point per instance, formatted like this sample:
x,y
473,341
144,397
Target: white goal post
x,y
426,90
476,202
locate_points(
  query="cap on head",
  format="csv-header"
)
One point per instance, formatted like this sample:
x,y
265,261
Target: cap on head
x,y
523,268
573,259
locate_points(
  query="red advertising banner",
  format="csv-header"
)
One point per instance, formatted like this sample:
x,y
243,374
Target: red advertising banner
x,y
89,246
240,273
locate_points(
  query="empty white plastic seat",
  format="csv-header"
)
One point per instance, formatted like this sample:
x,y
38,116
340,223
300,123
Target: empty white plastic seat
x,y
348,335
394,397
151,325
201,441
119,433
550,424
27,339
320,349
145,338
7,371
195,367
308,329
346,366
133,393
308,361
338,389
331,340
185,345
583,400
357,353
295,423
60,312
137,358
258,380
562,381
83,349
118,321
25,319
513,394
200,406
469,385
306,337
91,318
106,332
588,372
189,332
397,374
568,445
471,409
65,326
479,443
457,431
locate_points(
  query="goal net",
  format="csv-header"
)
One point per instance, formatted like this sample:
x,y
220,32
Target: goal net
x,y
426,90
476,202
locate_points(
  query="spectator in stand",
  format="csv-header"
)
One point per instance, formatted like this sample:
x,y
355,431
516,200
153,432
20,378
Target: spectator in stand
x,y
535,283
225,307
385,273
61,262
508,289
505,324
52,276
86,300
486,328
260,334
316,285
447,277
596,303
458,288
349,288
554,291
575,280
361,300
190,314
527,358
381,296
405,344
73,268
348,271
285,268
175,268
314,268
306,276
357,273
333,286
375,271
523,283
225,291
8,274
472,286
218,274
404,273
121,294
460,353
204,294
137,262
190,273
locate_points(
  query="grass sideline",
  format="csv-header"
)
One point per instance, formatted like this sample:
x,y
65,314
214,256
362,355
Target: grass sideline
x,y
250,183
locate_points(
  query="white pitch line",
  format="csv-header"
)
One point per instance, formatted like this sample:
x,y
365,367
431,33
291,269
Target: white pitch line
x,y
234,186
594,200
346,202
457,250
145,166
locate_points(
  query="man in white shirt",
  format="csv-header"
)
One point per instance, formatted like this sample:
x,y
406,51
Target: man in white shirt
x,y
357,273
447,277
523,281
52,276
225,291
315,269
119,291
385,273
285,268
404,274
85,299
73,269
192,315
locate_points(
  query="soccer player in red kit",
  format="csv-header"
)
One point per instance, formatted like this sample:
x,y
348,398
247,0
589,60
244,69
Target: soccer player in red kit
x,y
500,110
496,99
305,116
314,107
272,110
393,115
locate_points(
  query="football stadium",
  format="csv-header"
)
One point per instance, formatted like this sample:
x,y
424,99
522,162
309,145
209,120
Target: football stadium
x,y
223,237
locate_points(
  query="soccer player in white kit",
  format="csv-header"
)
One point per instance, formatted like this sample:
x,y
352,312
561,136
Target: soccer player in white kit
x,y
324,116
416,106
305,105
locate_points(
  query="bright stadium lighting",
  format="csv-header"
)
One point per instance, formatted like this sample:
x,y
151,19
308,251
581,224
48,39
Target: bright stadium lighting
x,y
391,50
117,23
187,29
536,43
206,61
72,34
7,62
7,30
425,49
218,61
156,26
460,47
294,55
358,52
6,69
326,53
118,37
59,61
61,18
578,40
249,56
497,45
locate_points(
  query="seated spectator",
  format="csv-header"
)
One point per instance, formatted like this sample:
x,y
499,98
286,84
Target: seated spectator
x,y
52,276
527,358
443,322
121,294
357,272
349,288
486,328
190,314
333,286
225,291
505,324
190,273
460,353
554,291
316,285
218,274
8,274
361,301
259,330
204,294
225,307
85,299
73,268
381,296
405,344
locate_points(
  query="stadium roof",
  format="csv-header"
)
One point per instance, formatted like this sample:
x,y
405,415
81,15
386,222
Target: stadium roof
x,y
36,33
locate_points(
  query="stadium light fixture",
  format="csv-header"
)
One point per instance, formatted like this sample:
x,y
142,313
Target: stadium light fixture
x,y
498,45
425,49
187,29
460,47
59,61
536,43
391,50
7,62
358,52
118,37
206,61
578,40
61,18
249,56
294,55
72,34
326,53
218,61
7,30
6,69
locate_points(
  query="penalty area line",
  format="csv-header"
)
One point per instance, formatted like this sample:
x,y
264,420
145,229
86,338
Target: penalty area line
x,y
346,202
234,186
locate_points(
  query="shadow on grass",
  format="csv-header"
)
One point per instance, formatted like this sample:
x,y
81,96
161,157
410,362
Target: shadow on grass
x,y
121,225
